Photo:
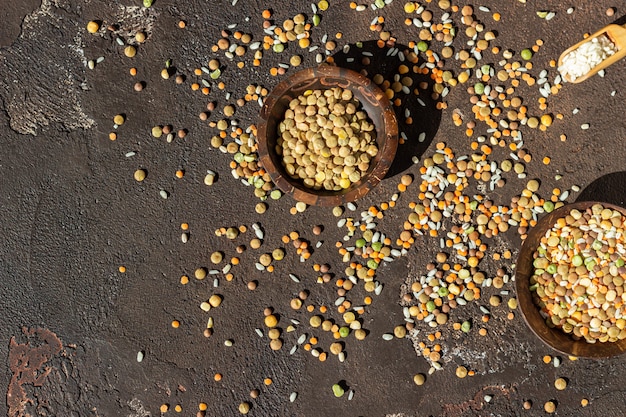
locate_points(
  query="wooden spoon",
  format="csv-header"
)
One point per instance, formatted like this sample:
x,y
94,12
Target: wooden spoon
x,y
616,34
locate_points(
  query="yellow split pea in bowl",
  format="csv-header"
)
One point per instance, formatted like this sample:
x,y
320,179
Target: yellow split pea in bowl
x,y
372,101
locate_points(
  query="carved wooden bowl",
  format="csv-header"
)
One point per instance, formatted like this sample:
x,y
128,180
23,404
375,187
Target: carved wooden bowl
x,y
555,337
373,101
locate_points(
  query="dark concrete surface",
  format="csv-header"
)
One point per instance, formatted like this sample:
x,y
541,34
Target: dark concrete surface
x,y
71,214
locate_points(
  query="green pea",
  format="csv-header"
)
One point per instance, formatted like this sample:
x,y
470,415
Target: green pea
x,y
422,46
338,390
619,262
380,3
372,264
147,3
430,306
377,246
215,74
577,260
443,292
344,331
360,243
551,269
278,47
526,54
466,326
275,194
479,88
316,19
548,206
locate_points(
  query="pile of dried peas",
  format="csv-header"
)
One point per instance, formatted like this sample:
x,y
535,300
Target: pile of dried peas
x,y
579,278
326,140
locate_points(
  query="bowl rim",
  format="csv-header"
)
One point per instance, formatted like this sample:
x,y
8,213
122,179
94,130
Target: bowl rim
x,y
386,155
553,337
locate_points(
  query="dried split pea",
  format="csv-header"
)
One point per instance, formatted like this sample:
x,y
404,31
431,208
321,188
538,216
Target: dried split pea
x,y
244,408
93,27
549,407
140,175
216,257
130,51
215,300
419,379
271,321
260,208
200,273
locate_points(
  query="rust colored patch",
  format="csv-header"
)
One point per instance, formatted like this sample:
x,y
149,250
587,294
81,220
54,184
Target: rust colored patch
x,y
478,402
27,362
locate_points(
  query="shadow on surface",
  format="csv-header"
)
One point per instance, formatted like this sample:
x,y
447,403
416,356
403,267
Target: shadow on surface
x,y
609,188
417,114
620,21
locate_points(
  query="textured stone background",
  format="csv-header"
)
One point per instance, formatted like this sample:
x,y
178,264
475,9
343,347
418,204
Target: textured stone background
x,y
71,214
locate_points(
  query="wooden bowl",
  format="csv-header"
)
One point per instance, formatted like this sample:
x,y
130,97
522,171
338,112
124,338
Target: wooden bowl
x,y
555,337
373,101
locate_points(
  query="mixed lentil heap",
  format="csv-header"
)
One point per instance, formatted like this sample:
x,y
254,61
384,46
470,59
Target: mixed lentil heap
x,y
579,274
